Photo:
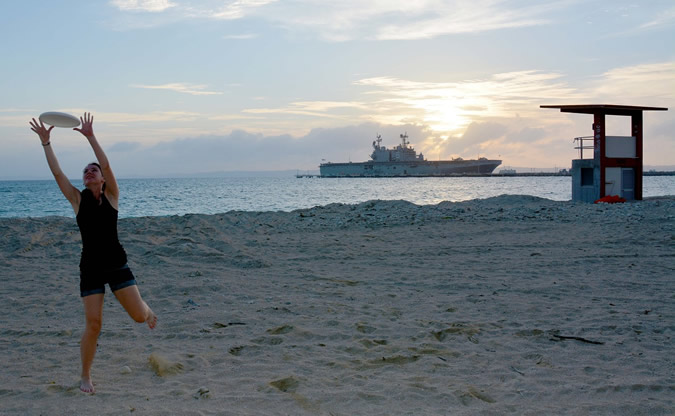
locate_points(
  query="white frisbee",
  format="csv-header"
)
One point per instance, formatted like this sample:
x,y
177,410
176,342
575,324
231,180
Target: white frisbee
x,y
56,119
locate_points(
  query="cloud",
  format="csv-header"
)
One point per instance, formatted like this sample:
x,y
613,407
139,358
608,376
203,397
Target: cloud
x,y
243,36
407,20
471,142
358,19
235,9
654,82
452,106
192,89
664,18
446,108
519,142
16,110
143,5
151,117
205,9
483,131
125,147
516,141
311,108
17,120
464,17
379,19
247,151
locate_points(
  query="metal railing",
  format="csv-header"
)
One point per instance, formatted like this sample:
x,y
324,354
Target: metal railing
x,y
581,146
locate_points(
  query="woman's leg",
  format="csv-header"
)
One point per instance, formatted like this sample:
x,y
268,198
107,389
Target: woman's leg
x,y
130,299
93,312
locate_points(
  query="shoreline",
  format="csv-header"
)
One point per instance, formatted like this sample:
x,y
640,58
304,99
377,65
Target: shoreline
x,y
507,198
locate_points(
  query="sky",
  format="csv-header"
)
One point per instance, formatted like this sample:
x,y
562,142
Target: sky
x,y
180,87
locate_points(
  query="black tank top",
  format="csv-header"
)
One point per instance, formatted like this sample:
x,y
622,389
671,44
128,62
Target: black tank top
x,y
101,249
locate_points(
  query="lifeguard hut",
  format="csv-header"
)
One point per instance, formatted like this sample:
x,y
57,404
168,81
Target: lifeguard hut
x,y
616,165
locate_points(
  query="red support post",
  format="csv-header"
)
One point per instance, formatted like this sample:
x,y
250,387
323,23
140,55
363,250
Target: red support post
x,y
636,123
599,147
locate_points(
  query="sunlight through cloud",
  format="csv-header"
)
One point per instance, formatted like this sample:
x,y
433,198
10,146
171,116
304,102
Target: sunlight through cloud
x,y
452,106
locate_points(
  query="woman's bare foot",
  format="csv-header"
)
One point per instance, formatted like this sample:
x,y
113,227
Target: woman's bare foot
x,y
86,385
151,319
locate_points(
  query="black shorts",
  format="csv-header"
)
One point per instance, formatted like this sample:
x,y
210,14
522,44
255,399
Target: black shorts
x,y
94,282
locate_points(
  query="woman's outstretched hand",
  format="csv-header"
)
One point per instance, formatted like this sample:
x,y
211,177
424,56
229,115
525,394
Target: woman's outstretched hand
x,y
41,131
87,125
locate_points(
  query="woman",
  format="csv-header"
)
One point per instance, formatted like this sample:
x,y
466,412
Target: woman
x,y
103,260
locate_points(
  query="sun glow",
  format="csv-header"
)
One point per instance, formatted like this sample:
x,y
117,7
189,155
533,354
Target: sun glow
x,y
450,107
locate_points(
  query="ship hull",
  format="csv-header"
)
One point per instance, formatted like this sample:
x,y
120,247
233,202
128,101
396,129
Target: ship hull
x,y
417,168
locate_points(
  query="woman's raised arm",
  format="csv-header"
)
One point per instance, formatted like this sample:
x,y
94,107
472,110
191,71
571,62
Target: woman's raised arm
x,y
71,193
112,191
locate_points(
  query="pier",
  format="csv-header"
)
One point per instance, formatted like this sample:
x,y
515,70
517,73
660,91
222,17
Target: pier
x,y
480,175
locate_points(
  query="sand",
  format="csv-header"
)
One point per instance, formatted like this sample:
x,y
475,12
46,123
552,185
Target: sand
x,y
509,305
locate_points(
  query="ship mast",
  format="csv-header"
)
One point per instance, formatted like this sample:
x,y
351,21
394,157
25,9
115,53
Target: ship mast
x,y
403,139
377,140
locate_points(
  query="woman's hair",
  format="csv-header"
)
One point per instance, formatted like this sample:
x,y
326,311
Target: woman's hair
x,y
100,169
97,165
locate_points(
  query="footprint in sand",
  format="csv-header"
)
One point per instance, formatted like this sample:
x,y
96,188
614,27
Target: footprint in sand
x,y
287,385
473,393
236,350
290,385
395,360
365,329
68,390
284,329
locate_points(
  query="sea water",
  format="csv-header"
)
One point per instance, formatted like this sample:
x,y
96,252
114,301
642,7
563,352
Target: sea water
x,y
179,196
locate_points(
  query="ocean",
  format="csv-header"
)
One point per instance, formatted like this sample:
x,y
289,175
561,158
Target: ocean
x,y
180,196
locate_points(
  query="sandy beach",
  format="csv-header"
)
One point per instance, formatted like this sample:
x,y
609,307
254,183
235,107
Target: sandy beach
x,y
508,305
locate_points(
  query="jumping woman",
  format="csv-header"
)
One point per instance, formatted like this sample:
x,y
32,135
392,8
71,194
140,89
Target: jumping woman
x,y
103,260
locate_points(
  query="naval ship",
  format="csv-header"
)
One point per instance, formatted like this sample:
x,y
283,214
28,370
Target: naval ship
x,y
402,160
